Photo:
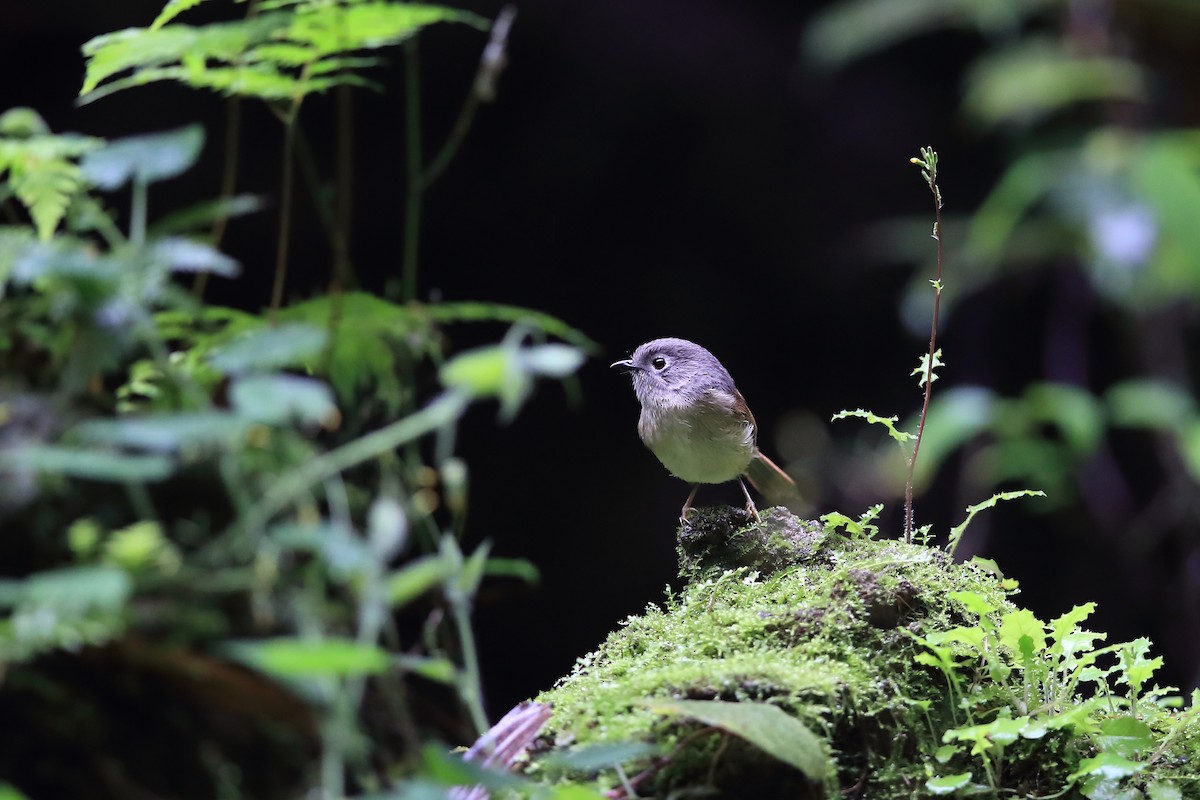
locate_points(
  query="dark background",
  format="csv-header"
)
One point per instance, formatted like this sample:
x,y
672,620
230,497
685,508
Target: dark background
x,y
656,168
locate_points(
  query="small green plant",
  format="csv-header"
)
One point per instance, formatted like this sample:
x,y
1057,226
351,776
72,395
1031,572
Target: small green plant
x,y
1048,689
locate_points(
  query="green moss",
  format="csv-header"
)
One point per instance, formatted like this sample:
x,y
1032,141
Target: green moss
x,y
828,629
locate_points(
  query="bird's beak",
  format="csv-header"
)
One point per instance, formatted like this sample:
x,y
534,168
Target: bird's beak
x,y
625,365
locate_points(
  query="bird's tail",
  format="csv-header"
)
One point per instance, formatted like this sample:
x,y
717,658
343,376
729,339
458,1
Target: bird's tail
x,y
773,483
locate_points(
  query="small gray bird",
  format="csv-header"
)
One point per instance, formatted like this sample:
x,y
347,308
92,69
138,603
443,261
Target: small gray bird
x,y
697,423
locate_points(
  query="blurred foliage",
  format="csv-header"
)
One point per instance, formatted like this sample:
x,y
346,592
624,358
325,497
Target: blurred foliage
x,y
1096,183
254,521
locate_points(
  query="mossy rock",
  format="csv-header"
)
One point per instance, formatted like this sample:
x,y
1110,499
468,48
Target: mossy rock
x,y
827,629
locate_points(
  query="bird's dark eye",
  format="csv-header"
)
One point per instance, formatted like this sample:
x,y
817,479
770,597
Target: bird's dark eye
x,y
659,363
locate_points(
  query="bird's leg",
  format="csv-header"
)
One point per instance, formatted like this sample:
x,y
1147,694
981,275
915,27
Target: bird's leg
x,y
750,509
687,506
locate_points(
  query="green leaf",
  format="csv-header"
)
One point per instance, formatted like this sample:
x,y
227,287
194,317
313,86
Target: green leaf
x,y
512,568
1156,405
974,602
202,215
924,371
10,792
187,255
149,50
473,570
1076,413
167,433
171,10
948,784
441,670
1125,736
1035,77
1107,766
850,30
78,462
80,589
1002,731
1022,624
307,658
144,159
368,25
140,547
1163,790
269,349
41,167
605,755
874,419
278,399
958,530
764,726
552,360
1136,669
417,577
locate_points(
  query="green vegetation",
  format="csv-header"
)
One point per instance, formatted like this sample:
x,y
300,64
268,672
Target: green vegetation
x,y
913,676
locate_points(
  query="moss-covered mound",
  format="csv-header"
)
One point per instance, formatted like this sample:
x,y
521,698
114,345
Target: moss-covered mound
x,y
918,676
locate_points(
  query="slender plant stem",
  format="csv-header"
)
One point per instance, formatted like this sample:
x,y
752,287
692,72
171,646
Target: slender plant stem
x,y
138,212
285,210
458,133
233,126
931,161
412,205
471,685
343,193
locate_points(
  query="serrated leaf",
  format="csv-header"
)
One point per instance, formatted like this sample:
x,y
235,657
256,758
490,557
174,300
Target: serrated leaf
x,y
269,348
958,530
143,159
1022,624
171,10
308,658
77,462
278,399
874,419
765,726
142,49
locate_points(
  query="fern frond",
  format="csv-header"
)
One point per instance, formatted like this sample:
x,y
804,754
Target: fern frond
x,y
171,10
292,49
41,169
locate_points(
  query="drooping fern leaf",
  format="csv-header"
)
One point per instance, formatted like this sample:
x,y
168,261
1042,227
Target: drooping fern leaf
x,y
171,10
289,50
41,168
